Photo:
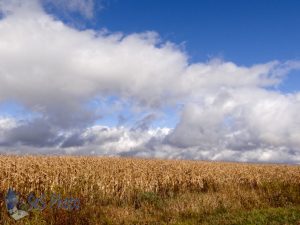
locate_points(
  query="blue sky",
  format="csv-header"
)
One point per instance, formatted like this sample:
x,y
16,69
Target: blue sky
x,y
245,32
151,78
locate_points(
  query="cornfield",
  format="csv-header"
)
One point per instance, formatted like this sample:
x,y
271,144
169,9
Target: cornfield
x,y
146,191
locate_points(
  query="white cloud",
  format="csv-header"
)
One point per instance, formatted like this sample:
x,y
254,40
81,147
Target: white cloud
x,y
244,122
54,70
7,123
86,8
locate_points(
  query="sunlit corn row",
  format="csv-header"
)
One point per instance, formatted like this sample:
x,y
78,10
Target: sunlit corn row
x,y
123,177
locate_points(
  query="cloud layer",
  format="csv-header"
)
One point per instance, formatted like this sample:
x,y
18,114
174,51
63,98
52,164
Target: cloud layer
x,y
228,112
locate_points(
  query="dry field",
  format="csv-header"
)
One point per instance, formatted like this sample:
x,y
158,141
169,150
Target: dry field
x,y
141,191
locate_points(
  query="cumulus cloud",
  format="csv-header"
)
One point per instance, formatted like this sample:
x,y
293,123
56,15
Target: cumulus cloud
x,y
53,70
242,122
